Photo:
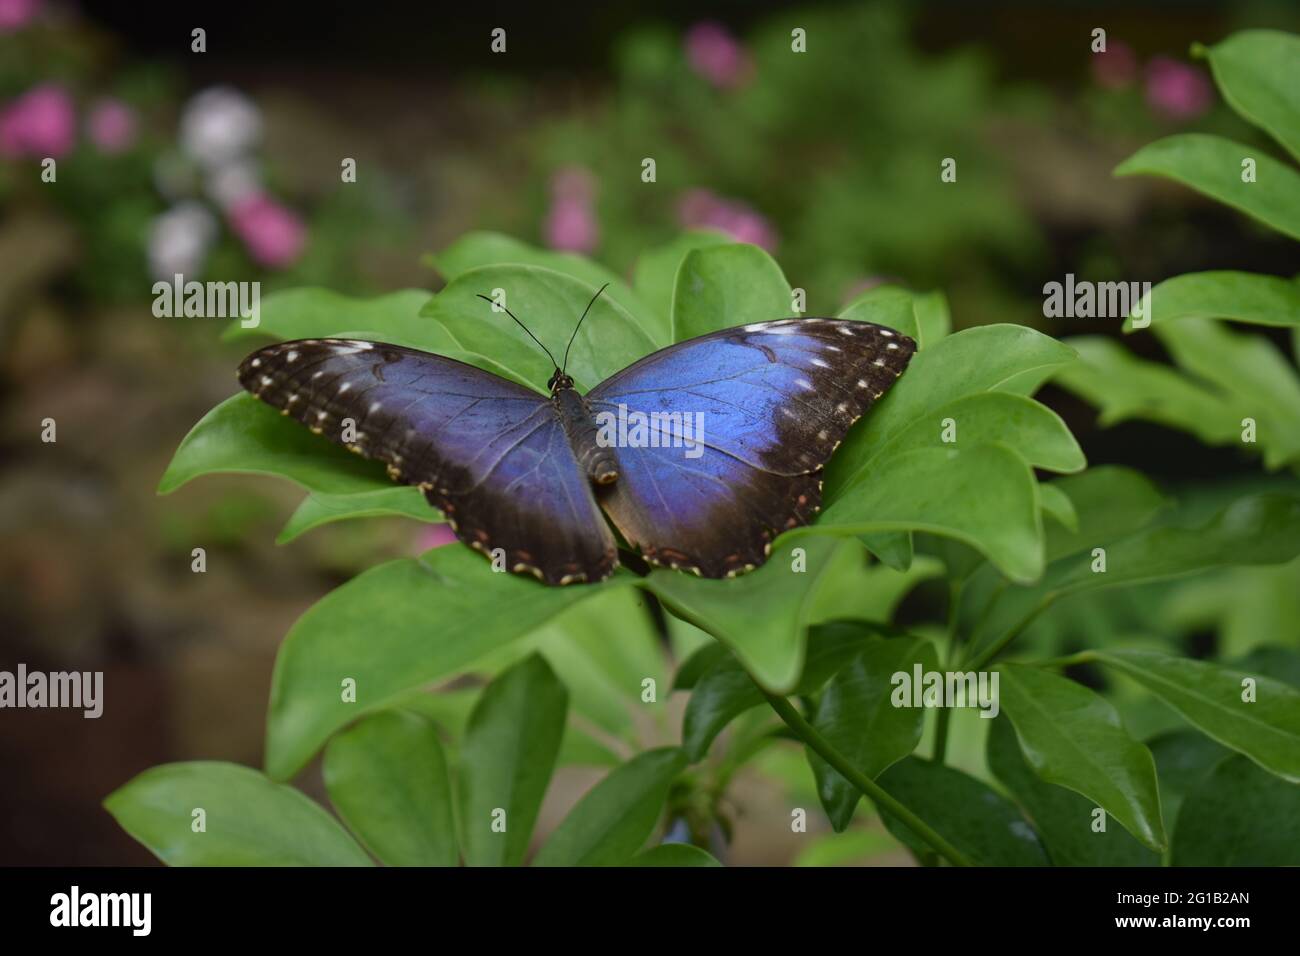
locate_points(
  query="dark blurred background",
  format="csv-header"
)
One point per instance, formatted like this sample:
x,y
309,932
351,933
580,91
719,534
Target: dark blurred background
x,y
829,160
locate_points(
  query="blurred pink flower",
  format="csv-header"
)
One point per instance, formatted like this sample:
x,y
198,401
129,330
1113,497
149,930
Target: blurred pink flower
x,y
273,234
571,224
111,126
42,122
715,54
16,14
1175,90
703,209
433,536
1117,68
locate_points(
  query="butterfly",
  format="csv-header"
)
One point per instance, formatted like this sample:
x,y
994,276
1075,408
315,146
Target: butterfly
x,y
700,454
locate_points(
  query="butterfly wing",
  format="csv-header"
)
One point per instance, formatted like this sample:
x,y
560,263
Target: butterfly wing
x,y
491,454
771,402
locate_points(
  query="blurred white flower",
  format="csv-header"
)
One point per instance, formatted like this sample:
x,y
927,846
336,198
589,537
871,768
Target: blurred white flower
x,y
234,182
219,125
179,240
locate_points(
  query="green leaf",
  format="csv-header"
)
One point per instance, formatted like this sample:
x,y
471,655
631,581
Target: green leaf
x,y
243,435
1249,368
870,592
387,777
394,629
724,690
1239,815
655,279
319,508
984,359
1183,759
611,823
1073,737
984,496
550,304
1240,296
1109,502
506,760
674,854
310,313
474,250
1125,387
1063,818
247,819
1032,429
763,616
972,817
1267,729
1260,529
1058,505
1212,166
923,317
1256,70
720,287
857,716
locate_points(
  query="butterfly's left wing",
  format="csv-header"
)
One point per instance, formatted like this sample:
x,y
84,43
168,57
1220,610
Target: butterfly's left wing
x,y
771,402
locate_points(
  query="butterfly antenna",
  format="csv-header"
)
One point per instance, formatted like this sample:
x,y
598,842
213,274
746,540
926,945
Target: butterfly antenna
x,y
525,328
564,367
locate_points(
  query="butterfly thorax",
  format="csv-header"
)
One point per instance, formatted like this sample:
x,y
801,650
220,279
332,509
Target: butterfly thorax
x,y
598,461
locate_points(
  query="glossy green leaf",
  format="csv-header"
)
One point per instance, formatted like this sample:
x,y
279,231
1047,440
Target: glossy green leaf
x,y
655,278
311,313
247,820
870,592
1239,815
319,508
550,304
474,250
243,435
1265,729
857,716
724,286
762,616
1240,296
1064,819
1073,737
1212,166
984,496
1057,503
988,358
393,629
387,778
887,305
1109,502
506,760
674,854
612,822
1257,72
1032,429
969,814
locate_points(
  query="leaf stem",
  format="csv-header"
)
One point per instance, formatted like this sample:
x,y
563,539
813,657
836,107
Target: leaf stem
x,y
813,739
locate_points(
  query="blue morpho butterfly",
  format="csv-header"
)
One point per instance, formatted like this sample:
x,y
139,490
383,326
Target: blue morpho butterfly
x,y
515,470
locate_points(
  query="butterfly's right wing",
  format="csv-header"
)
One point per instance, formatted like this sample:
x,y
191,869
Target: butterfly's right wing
x,y
491,454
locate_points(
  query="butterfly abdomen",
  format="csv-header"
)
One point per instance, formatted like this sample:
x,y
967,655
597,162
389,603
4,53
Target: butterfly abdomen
x,y
599,463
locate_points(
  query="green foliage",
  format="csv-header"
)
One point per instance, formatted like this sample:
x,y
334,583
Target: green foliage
x,y
1230,388
949,476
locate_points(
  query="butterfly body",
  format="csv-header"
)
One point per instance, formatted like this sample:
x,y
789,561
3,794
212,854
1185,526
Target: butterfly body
x,y
700,454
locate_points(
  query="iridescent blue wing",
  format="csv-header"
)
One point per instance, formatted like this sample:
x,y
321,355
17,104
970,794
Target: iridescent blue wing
x,y
773,400
491,454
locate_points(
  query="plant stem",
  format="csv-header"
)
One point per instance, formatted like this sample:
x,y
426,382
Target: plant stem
x,y
869,788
